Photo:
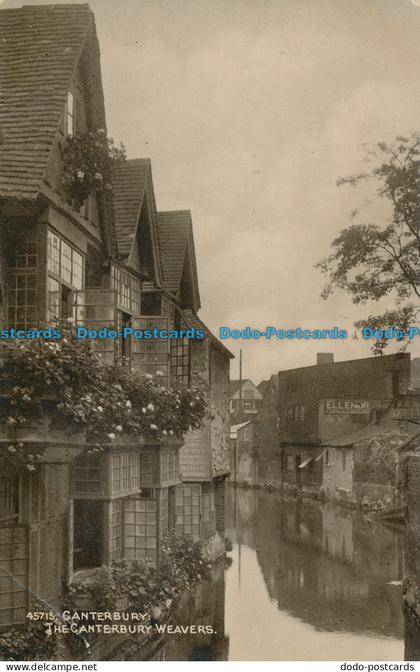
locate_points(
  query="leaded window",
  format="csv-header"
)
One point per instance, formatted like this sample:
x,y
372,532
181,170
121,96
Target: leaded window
x,y
88,475
127,289
26,254
180,355
22,300
188,510
125,471
116,528
164,511
64,261
13,575
169,466
180,360
70,114
8,497
140,528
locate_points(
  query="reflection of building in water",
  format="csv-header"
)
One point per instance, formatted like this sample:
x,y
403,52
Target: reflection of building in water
x,y
337,533
243,468
328,567
242,515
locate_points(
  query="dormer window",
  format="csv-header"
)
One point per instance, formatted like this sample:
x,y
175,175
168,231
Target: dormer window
x,y
70,116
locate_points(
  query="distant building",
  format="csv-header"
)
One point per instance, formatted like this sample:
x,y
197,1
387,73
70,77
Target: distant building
x,y
245,399
266,435
415,373
365,467
331,399
243,463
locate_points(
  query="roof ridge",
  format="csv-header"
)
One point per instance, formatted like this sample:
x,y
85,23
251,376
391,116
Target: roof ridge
x,y
171,212
139,160
55,5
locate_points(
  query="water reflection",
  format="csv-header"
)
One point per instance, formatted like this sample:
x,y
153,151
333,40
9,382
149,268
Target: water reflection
x,y
307,582
311,581
204,606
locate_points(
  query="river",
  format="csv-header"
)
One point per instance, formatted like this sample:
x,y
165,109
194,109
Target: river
x,y
304,581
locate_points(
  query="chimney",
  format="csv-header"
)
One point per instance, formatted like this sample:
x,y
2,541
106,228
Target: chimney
x,y
324,358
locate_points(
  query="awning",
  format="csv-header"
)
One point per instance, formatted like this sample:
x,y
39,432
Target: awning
x,y
320,455
303,464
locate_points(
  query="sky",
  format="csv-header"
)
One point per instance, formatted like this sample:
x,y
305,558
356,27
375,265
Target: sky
x,y
250,110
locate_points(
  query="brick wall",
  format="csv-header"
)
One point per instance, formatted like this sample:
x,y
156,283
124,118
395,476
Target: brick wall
x,y
195,463
219,406
266,439
373,378
220,503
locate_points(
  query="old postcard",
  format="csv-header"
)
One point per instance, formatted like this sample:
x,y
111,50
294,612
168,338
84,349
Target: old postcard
x,y
210,332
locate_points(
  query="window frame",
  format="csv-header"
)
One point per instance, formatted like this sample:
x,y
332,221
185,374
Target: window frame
x,y
60,272
127,290
70,115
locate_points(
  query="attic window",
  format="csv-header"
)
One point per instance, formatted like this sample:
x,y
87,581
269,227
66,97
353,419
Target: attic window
x,y
70,110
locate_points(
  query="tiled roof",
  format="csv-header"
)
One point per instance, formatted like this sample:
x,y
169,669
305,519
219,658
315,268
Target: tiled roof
x,y
235,385
375,430
262,386
129,184
234,428
194,321
39,48
173,227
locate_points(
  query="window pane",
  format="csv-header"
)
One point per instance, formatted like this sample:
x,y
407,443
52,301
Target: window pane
x,y
53,253
53,299
65,259
77,270
70,102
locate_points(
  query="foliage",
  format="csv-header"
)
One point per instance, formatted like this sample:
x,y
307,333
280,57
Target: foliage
x,y
377,459
28,644
182,564
90,396
90,160
18,456
374,260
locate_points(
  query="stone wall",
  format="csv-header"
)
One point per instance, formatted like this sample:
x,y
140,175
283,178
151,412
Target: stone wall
x,y
219,407
220,503
266,438
411,589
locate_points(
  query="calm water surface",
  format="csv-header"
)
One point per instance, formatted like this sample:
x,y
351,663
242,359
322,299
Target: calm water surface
x,y
311,581
305,582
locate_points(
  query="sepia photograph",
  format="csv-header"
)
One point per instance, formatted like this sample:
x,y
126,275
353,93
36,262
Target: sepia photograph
x,y
209,333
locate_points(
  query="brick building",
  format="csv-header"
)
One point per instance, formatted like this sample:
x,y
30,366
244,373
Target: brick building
x,y
331,399
107,259
266,434
244,466
245,399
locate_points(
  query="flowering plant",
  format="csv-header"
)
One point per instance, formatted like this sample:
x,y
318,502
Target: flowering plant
x,y
83,394
18,456
90,160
